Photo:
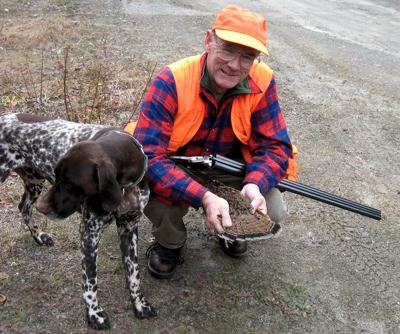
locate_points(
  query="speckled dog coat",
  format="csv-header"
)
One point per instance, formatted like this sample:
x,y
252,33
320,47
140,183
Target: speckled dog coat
x,y
96,170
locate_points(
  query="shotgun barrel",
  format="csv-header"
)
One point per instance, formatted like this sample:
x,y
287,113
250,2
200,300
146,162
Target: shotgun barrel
x,y
239,169
322,196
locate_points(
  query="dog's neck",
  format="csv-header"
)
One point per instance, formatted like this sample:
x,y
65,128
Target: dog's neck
x,y
119,159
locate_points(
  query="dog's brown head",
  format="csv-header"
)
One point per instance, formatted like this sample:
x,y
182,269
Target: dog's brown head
x,y
84,173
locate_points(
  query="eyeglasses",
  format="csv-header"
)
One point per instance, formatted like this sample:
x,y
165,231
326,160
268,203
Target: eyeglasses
x,y
228,53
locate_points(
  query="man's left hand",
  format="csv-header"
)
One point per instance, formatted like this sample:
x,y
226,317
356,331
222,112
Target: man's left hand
x,y
252,192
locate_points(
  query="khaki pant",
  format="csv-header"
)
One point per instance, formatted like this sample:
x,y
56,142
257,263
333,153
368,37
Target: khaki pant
x,y
168,227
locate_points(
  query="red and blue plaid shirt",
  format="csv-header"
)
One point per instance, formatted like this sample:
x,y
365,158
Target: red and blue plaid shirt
x,y
269,143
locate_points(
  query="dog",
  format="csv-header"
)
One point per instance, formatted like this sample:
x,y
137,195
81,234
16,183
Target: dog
x,y
96,170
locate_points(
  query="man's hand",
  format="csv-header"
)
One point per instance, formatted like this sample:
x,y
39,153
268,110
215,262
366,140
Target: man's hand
x,y
252,192
217,212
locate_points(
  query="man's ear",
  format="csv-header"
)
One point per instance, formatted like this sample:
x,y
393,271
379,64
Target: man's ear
x,y
208,40
109,189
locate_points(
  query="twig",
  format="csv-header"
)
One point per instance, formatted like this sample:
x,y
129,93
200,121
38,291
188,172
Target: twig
x,y
104,42
24,79
80,88
66,97
143,92
31,77
95,102
2,25
41,81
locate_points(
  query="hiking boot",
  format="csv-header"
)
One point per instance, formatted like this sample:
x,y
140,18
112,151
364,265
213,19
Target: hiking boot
x,y
235,248
162,261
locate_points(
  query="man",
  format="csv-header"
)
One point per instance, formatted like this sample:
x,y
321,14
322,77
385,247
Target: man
x,y
221,102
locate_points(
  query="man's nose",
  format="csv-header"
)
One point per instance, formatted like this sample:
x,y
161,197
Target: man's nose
x,y
235,62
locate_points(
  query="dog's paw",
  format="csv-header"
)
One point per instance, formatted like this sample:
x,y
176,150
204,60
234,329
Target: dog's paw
x,y
143,309
98,320
44,239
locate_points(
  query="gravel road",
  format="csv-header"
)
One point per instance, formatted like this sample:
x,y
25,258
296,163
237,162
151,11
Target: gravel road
x,y
330,271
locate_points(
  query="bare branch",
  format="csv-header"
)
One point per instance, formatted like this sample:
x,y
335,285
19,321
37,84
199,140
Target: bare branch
x,y
143,92
66,96
41,81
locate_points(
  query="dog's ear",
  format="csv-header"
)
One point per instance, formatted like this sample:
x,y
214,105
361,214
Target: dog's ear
x,y
109,189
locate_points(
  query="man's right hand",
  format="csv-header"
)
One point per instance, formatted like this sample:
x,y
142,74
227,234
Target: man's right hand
x,y
217,212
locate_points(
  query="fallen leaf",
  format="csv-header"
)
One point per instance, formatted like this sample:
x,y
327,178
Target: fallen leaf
x,y
3,276
3,298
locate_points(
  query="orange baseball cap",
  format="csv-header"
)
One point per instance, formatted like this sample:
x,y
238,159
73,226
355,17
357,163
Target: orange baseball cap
x,y
239,25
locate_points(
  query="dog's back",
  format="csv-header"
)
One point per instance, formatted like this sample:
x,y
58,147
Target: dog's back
x,y
37,142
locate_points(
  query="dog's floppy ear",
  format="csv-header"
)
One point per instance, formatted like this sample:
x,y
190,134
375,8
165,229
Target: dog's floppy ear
x,y
109,189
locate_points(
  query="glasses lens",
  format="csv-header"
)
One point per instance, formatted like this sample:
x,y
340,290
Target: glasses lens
x,y
246,61
228,54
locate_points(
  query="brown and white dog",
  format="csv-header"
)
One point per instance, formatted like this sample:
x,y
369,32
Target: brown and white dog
x,y
96,170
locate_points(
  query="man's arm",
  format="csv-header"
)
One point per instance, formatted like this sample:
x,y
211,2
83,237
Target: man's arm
x,y
168,182
153,131
270,147
269,144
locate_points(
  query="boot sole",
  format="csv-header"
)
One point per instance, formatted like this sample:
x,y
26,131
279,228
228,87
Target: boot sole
x,y
158,274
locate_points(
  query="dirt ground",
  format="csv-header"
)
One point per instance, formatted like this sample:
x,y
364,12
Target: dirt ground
x,y
329,271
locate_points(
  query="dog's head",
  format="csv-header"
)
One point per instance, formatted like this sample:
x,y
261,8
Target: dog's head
x,y
84,173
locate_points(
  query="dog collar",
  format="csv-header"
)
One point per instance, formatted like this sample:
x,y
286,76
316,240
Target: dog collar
x,y
140,147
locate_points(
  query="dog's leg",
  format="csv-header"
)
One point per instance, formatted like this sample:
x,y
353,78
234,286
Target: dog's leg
x,y
91,230
4,172
5,169
128,233
33,187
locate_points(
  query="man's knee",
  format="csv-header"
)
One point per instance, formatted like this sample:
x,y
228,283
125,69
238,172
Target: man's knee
x,y
276,205
156,211
167,220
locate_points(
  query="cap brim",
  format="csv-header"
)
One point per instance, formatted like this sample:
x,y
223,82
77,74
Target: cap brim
x,y
242,39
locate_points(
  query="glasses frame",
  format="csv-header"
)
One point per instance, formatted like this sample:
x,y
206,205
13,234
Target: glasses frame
x,y
227,55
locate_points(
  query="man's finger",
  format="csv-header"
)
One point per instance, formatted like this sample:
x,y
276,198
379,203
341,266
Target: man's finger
x,y
226,219
218,227
213,222
259,204
262,210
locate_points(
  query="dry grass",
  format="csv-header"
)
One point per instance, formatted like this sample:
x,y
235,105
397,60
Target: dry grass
x,y
66,68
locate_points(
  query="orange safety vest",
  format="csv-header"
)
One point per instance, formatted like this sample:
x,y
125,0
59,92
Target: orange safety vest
x,y
191,108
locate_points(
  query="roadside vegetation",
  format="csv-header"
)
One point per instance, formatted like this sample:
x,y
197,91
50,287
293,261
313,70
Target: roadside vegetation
x,y
59,67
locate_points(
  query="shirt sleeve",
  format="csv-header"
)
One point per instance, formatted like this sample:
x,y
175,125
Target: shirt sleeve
x,y
153,130
269,144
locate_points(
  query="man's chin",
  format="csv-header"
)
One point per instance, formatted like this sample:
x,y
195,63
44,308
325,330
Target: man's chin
x,y
227,82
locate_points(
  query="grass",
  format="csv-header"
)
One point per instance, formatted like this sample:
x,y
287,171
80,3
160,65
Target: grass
x,y
59,67
293,299
66,68
22,316
57,280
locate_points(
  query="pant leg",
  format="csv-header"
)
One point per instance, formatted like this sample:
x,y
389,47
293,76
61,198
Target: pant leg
x,y
276,205
168,227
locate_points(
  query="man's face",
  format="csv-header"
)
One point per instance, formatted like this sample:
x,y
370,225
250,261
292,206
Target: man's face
x,y
227,63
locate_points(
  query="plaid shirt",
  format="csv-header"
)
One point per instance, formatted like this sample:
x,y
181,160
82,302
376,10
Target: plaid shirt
x,y
269,143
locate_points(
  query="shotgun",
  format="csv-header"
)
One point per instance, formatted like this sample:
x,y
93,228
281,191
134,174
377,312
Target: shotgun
x,y
237,168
